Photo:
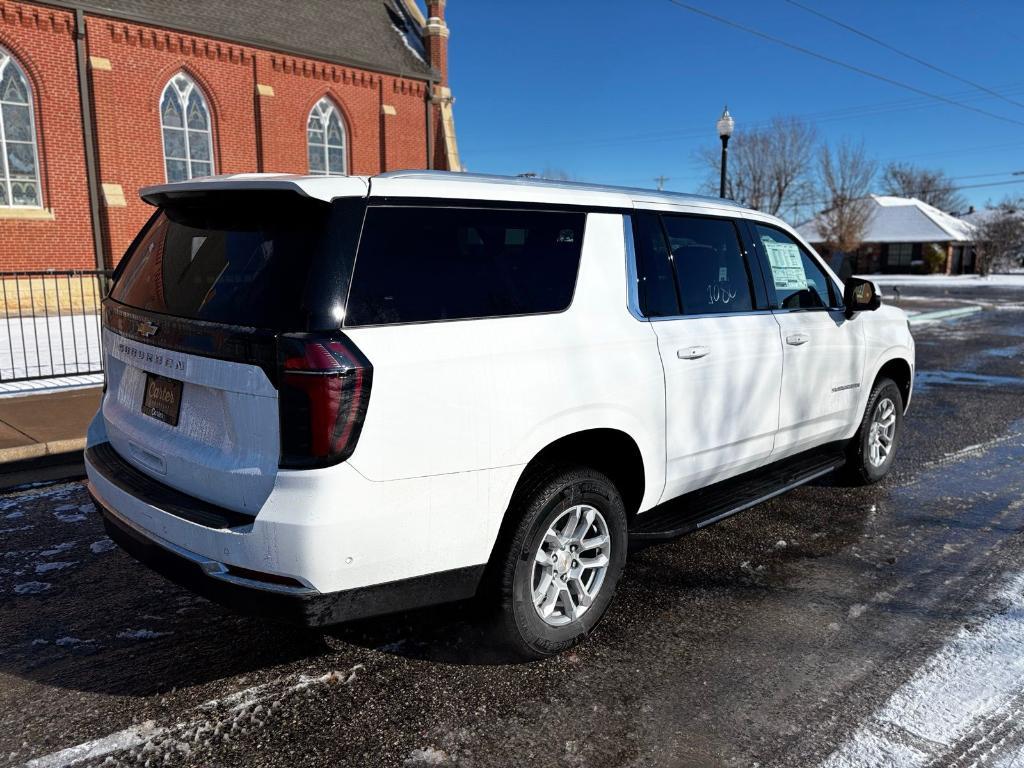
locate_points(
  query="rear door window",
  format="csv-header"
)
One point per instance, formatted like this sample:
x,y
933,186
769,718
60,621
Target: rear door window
x,y
710,267
422,264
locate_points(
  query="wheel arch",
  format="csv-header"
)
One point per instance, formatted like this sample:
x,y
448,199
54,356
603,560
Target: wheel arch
x,y
610,451
901,372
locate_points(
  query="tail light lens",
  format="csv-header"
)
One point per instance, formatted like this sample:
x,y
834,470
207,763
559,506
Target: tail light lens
x,y
324,390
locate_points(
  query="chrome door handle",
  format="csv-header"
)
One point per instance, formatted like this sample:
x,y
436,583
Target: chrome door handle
x,y
692,353
796,339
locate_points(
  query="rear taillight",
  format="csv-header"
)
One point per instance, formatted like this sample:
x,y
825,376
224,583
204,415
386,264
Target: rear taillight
x,y
323,394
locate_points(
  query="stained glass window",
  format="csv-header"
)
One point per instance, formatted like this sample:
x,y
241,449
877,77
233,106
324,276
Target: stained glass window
x,y
325,137
19,161
185,120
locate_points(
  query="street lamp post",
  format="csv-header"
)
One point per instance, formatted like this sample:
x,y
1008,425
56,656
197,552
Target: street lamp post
x,y
725,125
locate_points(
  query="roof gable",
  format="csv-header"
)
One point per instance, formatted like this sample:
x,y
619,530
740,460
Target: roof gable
x,y
903,220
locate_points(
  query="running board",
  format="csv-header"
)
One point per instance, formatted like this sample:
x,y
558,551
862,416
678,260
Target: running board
x,y
709,505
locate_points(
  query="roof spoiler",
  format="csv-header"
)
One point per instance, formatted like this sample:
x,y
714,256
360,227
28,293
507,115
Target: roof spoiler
x,y
325,188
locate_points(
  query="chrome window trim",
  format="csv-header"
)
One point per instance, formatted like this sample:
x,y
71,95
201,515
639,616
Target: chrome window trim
x,y
632,274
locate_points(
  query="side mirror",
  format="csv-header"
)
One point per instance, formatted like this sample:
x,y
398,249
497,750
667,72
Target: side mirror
x,y
860,296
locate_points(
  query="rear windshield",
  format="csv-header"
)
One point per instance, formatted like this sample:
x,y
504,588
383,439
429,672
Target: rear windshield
x,y
421,264
275,260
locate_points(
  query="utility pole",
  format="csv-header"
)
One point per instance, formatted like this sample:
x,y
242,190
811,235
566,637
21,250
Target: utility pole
x,y
660,181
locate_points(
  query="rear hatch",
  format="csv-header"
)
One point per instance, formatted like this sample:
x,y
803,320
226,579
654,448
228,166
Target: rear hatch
x,y
195,324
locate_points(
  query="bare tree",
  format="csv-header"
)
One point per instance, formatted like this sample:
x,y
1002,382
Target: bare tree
x,y
769,168
929,186
1000,238
846,174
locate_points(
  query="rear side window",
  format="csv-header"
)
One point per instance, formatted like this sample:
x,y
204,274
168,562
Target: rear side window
x,y
274,260
799,282
710,267
421,264
656,285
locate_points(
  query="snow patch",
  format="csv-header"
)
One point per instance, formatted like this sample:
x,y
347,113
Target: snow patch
x,y
58,548
427,756
103,545
13,515
949,281
69,517
857,610
141,634
70,642
977,675
16,530
31,587
57,566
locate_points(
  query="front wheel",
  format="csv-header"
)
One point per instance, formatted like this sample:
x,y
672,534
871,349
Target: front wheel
x,y
872,450
563,561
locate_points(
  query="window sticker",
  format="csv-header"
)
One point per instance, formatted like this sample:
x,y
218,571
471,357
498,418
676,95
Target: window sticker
x,y
787,266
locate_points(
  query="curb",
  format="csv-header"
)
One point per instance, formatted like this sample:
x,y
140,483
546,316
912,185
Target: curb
x,y
925,318
38,450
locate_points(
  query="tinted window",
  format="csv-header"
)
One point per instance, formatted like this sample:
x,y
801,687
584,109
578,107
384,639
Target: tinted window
x,y
656,287
798,281
421,264
263,259
710,267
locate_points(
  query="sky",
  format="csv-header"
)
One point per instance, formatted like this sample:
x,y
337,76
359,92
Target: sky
x,y
622,92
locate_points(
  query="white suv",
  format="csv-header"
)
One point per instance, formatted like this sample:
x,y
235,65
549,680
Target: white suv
x,y
330,398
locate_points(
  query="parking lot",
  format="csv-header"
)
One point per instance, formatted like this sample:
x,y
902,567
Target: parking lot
x,y
832,625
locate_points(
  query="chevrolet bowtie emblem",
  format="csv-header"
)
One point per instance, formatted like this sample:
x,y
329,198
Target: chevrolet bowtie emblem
x,y
147,329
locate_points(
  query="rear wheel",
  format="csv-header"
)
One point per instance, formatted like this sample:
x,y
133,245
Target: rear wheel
x,y
872,450
562,562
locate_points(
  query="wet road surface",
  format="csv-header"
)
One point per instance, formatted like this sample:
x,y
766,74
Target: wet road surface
x,y
835,625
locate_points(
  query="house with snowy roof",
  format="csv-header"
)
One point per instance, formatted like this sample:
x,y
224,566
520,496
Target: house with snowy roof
x,y
904,234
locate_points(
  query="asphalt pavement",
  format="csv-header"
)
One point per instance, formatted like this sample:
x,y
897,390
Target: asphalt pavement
x,y
833,625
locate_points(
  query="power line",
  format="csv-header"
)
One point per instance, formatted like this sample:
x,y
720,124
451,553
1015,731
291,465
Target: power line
x,y
904,54
956,188
838,63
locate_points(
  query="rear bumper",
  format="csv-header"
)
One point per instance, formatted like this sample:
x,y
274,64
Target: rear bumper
x,y
247,584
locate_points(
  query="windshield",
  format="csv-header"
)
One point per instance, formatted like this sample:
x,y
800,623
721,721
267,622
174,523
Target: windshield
x,y
263,259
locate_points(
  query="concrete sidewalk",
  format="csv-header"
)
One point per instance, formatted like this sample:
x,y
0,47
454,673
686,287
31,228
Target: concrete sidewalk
x,y
37,426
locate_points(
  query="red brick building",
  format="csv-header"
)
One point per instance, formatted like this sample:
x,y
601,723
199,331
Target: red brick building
x,y
102,97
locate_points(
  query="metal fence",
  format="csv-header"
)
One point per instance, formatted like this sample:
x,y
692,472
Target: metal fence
x,y
50,323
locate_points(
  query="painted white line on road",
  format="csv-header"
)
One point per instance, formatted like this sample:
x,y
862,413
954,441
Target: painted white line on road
x,y
926,318
212,718
976,676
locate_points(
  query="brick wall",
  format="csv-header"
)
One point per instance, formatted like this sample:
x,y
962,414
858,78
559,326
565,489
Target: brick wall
x,y
42,41
259,103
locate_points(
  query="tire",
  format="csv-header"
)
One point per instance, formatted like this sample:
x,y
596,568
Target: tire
x,y
556,498
884,409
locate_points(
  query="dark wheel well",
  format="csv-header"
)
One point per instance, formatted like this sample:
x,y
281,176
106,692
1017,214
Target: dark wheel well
x,y
609,451
899,371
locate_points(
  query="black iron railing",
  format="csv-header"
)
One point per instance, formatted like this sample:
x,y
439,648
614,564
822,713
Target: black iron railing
x,y
50,323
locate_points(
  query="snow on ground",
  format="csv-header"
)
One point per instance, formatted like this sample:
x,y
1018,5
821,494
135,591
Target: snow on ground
x,y
950,281
215,721
49,346
141,634
49,384
955,701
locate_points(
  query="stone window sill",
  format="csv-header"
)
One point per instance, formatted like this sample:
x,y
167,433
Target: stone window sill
x,y
27,214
